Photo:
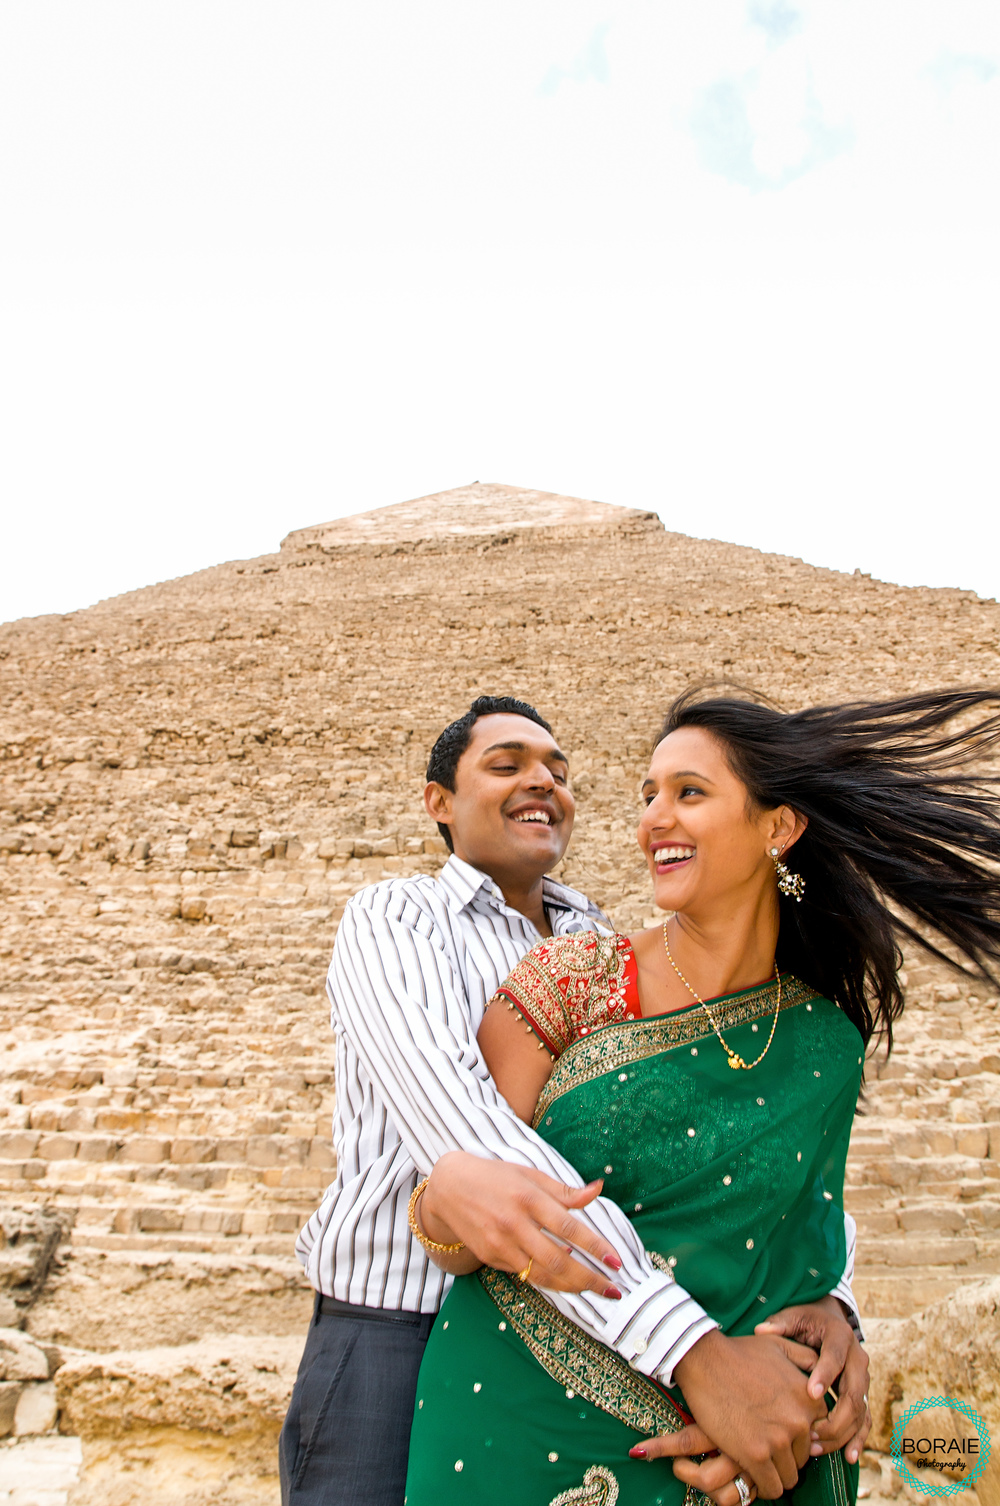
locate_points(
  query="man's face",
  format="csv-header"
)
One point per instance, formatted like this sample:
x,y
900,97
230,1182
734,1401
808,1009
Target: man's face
x,y
511,811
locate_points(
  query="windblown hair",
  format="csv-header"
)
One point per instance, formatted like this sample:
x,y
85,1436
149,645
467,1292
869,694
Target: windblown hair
x,y
457,735
898,835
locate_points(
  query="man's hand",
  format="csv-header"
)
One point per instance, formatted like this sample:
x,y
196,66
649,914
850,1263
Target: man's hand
x,y
501,1211
823,1327
750,1396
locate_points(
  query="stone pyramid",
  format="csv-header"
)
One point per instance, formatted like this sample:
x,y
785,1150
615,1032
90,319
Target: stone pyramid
x,y
198,774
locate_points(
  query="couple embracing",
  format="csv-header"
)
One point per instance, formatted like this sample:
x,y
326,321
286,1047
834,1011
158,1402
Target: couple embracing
x,y
587,1222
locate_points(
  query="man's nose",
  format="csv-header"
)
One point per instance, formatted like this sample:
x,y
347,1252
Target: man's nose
x,y
541,778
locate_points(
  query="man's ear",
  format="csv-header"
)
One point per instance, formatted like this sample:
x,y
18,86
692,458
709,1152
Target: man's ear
x,y
437,803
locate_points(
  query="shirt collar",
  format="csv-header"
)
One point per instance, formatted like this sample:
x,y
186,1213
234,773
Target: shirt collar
x,y
463,883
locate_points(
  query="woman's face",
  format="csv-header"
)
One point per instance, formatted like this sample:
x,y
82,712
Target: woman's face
x,y
704,843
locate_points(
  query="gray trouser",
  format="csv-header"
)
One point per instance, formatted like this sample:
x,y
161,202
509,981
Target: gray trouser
x,y
346,1437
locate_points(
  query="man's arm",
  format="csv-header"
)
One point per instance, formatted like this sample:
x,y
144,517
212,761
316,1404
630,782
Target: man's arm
x,y
396,996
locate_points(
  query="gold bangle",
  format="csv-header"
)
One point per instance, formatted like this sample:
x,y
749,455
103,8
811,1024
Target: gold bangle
x,y
430,1245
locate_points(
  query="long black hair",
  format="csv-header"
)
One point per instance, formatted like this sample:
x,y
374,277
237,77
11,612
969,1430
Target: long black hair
x,y
898,838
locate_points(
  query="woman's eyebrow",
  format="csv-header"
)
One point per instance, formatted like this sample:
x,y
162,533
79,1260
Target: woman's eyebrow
x,y
680,774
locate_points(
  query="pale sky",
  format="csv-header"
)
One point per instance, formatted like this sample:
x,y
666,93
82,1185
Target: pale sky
x,y
266,264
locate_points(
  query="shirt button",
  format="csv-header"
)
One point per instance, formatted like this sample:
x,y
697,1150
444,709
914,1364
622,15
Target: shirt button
x,y
641,1346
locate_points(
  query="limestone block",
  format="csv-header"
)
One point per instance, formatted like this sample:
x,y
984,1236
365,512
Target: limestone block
x,y
931,1218
20,1359
321,1153
194,908
119,1077
157,1220
231,1150
951,1348
36,1409
274,1150
10,1391
17,1145
215,1386
969,1142
139,1298
97,1148
191,1151
57,1147
145,1149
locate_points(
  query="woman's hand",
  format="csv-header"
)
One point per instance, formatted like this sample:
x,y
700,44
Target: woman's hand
x,y
510,1215
714,1476
823,1327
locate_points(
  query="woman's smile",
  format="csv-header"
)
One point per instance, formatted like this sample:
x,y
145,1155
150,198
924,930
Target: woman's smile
x,y
668,856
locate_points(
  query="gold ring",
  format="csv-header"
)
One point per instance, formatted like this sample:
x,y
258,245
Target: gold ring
x,y
523,1275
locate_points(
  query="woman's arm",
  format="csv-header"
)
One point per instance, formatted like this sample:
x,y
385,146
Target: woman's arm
x,y
518,1061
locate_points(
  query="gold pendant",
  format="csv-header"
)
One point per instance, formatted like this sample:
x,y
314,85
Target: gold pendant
x,y
736,1062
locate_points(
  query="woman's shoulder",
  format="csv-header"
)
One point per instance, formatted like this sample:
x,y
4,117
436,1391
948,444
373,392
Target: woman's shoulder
x,y
567,985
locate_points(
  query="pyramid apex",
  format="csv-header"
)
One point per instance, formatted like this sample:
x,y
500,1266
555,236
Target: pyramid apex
x,y
468,516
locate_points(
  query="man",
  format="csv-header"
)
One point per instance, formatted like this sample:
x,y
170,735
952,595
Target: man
x,y
415,963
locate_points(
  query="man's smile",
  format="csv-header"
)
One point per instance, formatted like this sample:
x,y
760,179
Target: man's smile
x,y
533,814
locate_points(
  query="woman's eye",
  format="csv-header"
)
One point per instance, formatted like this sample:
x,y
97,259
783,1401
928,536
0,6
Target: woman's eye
x,y
691,789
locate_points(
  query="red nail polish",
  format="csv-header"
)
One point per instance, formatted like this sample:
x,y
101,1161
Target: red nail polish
x,y
613,1261
637,1453
612,1291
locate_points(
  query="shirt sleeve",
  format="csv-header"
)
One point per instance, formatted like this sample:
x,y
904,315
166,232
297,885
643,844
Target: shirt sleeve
x,y
843,1290
396,995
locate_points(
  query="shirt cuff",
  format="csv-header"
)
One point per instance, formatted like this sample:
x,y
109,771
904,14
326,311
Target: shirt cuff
x,y
655,1325
845,1295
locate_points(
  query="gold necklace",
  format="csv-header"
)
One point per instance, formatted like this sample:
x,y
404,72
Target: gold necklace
x,y
735,1059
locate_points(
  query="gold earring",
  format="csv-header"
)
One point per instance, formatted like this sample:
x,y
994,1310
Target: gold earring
x,y
792,884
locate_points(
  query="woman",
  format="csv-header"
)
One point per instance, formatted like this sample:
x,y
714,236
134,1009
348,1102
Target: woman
x,y
709,1070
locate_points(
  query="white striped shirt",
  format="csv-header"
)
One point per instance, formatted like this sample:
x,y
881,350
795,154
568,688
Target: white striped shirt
x,y
415,963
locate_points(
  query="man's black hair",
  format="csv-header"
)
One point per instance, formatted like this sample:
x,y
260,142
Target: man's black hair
x,y
456,738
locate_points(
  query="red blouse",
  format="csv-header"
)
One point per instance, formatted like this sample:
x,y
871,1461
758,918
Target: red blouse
x,y
568,986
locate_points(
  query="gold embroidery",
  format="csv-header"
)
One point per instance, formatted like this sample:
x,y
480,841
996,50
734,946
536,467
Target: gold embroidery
x,y
576,1360
570,985
599,1488
631,1040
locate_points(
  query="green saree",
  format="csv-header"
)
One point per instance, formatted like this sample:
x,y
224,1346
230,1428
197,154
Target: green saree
x,y
734,1179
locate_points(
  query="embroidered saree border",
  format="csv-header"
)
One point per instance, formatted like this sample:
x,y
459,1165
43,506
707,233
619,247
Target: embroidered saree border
x,y
628,1041
596,1373
578,1361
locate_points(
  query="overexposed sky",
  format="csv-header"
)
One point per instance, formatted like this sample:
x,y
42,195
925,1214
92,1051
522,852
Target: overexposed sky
x,y
267,263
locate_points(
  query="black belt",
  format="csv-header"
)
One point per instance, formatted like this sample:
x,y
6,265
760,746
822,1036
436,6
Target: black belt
x,y
331,1308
